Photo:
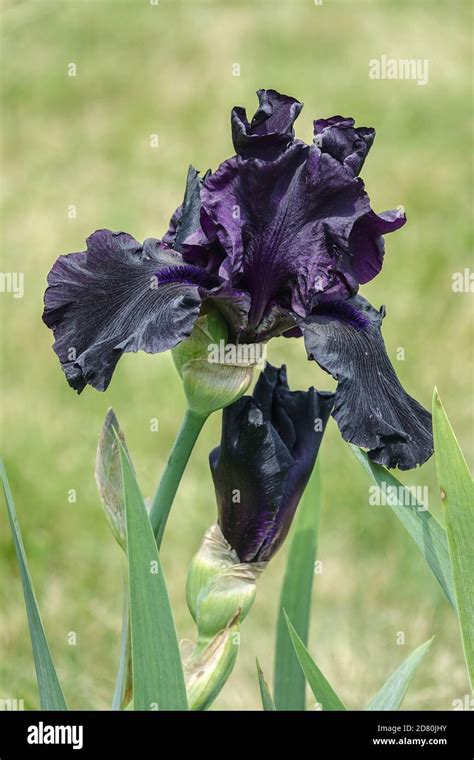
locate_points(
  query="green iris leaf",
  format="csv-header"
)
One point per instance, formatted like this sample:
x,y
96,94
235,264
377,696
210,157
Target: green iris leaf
x,y
49,688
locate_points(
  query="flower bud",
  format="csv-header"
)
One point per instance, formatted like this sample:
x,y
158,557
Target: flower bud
x,y
268,448
220,591
209,383
219,586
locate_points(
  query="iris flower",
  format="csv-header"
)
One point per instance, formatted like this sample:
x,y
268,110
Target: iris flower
x,y
268,448
279,238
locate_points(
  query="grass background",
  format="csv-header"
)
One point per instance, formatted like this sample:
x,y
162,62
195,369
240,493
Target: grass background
x,y
85,140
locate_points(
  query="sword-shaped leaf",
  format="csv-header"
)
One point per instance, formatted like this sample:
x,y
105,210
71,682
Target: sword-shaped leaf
x,y
320,686
457,497
425,530
267,701
158,681
392,693
295,598
49,688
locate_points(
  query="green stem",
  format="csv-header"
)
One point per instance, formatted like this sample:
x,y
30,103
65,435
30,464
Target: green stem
x,y
160,509
178,459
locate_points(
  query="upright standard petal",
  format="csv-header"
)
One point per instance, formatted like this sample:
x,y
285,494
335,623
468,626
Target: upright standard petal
x,y
267,452
366,244
271,129
371,407
186,234
287,223
285,226
186,218
115,297
346,143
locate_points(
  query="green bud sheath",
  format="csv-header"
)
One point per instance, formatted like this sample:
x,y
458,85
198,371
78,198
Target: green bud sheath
x,y
220,591
219,586
209,387
207,671
108,475
209,383
210,328
214,556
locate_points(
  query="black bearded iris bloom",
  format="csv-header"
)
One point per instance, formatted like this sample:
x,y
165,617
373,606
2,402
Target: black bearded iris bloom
x,y
268,448
279,238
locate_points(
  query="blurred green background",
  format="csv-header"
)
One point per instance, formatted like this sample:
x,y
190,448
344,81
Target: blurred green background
x,y
85,140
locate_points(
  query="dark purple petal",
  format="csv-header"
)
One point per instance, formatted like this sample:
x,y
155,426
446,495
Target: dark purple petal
x,y
187,235
366,243
234,305
277,320
187,217
271,129
349,145
287,223
170,234
267,452
371,407
108,300
285,226
298,229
